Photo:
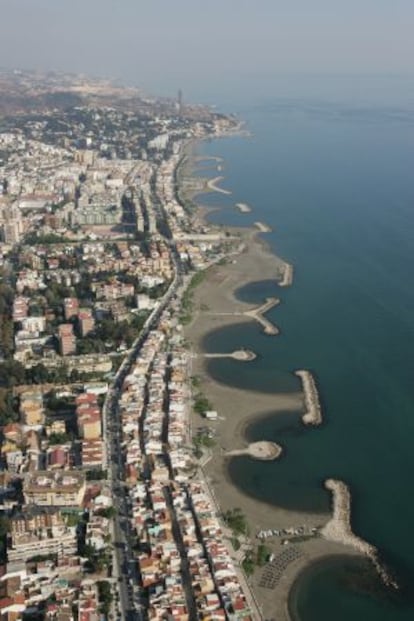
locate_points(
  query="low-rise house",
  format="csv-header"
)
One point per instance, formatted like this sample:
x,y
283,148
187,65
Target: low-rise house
x,y
92,453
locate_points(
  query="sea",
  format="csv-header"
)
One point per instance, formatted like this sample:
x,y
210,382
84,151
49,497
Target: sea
x,y
332,172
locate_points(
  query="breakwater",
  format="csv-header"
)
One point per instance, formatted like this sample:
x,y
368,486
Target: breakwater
x,y
259,314
287,278
263,450
315,219
339,529
313,412
262,227
242,355
243,207
212,185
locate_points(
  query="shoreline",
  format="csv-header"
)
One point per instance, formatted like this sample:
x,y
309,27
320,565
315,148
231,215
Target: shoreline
x,y
238,408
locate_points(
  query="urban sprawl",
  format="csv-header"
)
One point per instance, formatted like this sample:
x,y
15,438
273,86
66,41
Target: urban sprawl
x,y
105,511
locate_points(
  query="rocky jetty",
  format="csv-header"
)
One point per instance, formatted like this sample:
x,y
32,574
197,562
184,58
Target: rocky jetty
x,y
339,528
313,413
263,450
243,207
259,314
287,278
262,227
242,355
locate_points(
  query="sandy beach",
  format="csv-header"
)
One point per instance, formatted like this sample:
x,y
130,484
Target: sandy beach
x,y
215,306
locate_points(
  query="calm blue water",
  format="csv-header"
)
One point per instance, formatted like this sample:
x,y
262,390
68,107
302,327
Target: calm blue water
x,y
336,183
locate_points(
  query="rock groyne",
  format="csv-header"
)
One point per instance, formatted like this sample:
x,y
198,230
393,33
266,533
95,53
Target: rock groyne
x,y
212,185
287,278
339,528
262,227
313,412
259,314
262,450
242,355
243,207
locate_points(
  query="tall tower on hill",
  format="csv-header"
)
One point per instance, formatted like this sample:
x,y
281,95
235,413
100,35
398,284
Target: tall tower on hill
x,y
180,102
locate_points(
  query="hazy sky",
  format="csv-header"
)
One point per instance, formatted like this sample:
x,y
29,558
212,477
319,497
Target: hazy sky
x,y
164,44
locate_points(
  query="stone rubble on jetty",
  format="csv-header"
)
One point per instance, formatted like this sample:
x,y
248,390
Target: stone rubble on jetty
x,y
339,528
263,228
313,413
241,355
243,207
212,185
287,278
259,314
263,450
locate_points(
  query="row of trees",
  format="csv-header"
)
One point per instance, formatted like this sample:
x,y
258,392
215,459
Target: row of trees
x,y
109,334
255,558
7,409
237,522
32,239
6,323
13,373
